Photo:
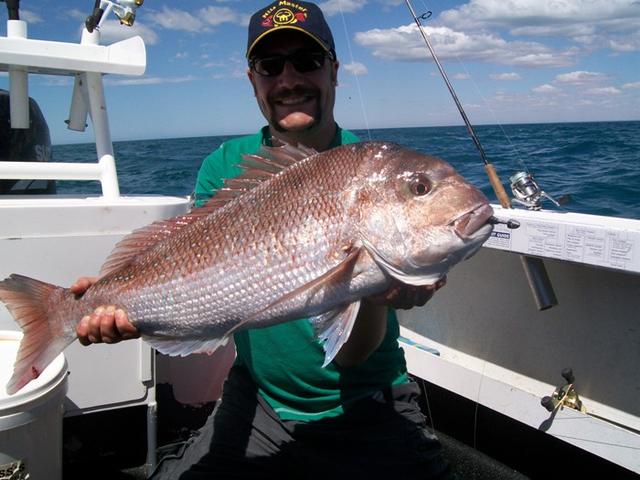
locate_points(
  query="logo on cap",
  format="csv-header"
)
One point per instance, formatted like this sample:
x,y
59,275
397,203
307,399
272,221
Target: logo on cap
x,y
283,16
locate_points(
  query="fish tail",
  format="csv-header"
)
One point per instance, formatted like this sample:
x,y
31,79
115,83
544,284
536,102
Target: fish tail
x,y
33,305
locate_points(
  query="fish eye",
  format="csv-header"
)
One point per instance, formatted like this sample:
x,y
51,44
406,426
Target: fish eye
x,y
420,185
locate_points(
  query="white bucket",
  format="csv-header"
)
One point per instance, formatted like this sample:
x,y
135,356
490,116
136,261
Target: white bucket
x,y
31,420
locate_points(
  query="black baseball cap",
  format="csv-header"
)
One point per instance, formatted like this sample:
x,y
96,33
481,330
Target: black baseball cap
x,y
304,17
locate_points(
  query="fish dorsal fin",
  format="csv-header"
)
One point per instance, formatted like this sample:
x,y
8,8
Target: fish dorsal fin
x,y
147,237
287,153
257,169
271,160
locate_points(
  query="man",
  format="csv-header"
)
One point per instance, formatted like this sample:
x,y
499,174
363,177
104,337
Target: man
x,y
282,414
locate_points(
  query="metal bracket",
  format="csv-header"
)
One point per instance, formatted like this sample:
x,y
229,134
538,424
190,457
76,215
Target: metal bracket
x,y
565,395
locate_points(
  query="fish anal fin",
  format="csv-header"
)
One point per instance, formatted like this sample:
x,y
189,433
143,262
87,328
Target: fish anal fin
x,y
182,347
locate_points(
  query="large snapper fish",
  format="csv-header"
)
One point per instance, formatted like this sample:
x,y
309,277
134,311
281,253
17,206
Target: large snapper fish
x,y
298,234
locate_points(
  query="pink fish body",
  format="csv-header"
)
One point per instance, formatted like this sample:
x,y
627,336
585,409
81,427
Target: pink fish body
x,y
298,234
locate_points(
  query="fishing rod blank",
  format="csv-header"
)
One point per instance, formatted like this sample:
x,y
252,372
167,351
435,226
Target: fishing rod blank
x,y
534,268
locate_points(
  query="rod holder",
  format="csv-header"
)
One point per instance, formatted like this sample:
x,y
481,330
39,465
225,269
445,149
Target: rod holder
x,y
79,109
539,282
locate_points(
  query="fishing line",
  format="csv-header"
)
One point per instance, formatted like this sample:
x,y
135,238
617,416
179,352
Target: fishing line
x,y
423,388
493,114
488,166
425,16
355,74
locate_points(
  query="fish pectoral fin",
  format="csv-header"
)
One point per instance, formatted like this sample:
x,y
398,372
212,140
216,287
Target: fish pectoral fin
x,y
183,347
334,276
333,328
425,278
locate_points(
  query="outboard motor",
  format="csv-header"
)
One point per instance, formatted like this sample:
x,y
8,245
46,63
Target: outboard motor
x,y
24,145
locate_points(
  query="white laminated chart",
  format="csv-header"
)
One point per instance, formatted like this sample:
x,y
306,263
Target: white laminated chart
x,y
602,241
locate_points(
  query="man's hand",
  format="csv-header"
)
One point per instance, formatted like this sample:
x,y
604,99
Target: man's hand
x,y
402,296
107,324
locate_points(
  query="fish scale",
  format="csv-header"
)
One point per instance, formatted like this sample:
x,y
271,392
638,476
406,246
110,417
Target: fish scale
x,y
316,234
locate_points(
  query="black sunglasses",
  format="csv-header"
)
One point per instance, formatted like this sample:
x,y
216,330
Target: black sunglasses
x,y
303,62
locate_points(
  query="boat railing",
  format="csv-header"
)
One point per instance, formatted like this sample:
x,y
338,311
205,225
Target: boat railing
x,y
104,171
87,61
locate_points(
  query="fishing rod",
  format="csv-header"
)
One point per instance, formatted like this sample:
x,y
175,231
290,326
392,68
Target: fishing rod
x,y
534,268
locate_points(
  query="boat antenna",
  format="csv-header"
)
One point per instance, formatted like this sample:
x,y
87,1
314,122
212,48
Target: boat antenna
x,y
534,268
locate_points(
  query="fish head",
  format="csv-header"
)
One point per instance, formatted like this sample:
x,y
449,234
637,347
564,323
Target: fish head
x,y
419,216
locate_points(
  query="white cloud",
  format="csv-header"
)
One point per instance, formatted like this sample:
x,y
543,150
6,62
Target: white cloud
x,y
148,80
57,81
200,21
212,65
580,77
174,19
604,91
629,43
404,43
77,14
461,76
613,23
333,7
30,16
546,88
355,68
217,15
111,31
505,76
631,85
234,73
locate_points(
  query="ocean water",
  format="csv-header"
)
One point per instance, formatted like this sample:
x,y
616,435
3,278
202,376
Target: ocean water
x,y
597,164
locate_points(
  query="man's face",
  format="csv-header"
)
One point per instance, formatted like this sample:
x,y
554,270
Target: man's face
x,y
293,101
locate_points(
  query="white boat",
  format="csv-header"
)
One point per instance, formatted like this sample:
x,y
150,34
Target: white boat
x,y
482,338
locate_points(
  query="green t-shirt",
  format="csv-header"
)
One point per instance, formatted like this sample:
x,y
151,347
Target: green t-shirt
x,y
285,360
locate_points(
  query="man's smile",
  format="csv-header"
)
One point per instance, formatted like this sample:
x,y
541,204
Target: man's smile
x,y
294,100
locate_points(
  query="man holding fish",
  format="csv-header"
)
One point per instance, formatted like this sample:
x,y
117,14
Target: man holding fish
x,y
301,401
278,390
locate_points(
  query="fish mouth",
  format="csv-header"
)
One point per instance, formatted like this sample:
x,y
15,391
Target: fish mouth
x,y
470,222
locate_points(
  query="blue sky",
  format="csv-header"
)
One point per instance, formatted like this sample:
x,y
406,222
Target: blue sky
x,y
510,61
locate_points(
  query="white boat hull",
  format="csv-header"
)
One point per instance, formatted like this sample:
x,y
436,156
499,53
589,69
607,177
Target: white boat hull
x,y
482,337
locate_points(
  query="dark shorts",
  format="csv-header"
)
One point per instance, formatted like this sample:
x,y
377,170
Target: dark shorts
x,y
383,436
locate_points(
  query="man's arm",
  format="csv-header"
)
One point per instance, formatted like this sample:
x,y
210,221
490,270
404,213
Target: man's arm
x,y
370,326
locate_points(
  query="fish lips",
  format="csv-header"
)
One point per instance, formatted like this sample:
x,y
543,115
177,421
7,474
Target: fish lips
x,y
472,223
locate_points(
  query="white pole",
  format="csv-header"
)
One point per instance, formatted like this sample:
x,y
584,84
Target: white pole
x,y
100,121
18,84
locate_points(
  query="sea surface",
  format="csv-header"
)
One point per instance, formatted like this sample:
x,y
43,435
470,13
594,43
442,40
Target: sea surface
x,y
597,165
